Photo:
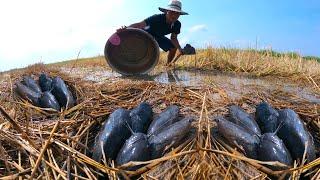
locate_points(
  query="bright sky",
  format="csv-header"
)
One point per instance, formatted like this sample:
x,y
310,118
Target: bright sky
x,y
47,31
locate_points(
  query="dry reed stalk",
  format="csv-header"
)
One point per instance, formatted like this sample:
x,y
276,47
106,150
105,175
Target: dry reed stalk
x,y
253,63
15,176
4,156
51,161
16,126
83,158
43,150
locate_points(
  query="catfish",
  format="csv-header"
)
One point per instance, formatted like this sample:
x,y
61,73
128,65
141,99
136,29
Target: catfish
x,y
243,119
62,93
238,136
45,82
136,148
141,117
271,148
266,117
47,100
113,134
295,135
28,94
31,83
164,119
171,136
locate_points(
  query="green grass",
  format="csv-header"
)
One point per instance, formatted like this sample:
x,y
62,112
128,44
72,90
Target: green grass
x,y
312,58
92,61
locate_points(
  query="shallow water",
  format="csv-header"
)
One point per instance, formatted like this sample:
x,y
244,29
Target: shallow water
x,y
235,85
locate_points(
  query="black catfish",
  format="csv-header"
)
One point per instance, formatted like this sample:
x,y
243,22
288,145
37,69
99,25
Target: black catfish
x,y
62,93
295,135
164,119
136,148
32,84
141,118
47,100
243,119
26,93
238,136
170,136
266,117
271,148
45,82
112,135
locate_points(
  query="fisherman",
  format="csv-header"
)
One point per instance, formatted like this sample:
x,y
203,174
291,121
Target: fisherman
x,y
163,24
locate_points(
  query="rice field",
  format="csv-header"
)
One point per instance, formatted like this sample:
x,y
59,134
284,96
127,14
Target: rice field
x,y
261,63
37,143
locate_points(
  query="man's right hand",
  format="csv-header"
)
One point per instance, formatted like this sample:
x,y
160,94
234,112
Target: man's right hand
x,y
122,28
182,52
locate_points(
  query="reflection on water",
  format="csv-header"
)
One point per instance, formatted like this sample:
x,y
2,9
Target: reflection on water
x,y
235,85
179,77
166,77
174,76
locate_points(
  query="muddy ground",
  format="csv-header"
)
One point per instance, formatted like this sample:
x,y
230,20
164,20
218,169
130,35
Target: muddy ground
x,y
234,85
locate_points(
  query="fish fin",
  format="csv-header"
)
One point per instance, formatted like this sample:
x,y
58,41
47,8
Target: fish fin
x,y
279,127
169,146
238,146
249,129
128,126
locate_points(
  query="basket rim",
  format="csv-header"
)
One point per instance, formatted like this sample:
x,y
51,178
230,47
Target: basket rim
x,y
149,36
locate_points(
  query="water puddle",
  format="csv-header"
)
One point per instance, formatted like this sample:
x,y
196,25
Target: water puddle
x,y
234,85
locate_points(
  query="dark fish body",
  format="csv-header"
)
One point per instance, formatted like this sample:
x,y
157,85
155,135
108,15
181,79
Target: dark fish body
x,y
164,119
267,118
112,135
26,93
136,148
271,148
243,119
32,84
62,93
238,136
295,135
47,100
141,118
45,82
170,136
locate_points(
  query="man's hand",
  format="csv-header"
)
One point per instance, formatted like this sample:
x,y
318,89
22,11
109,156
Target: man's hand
x,y
180,52
178,55
122,28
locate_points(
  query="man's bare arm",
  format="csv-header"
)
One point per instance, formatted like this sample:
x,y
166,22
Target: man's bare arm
x,y
139,25
174,39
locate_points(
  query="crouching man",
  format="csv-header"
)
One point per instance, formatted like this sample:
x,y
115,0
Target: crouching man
x,y
160,25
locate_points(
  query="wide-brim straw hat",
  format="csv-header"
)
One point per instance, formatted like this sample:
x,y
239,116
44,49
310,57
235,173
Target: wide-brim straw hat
x,y
132,51
174,5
